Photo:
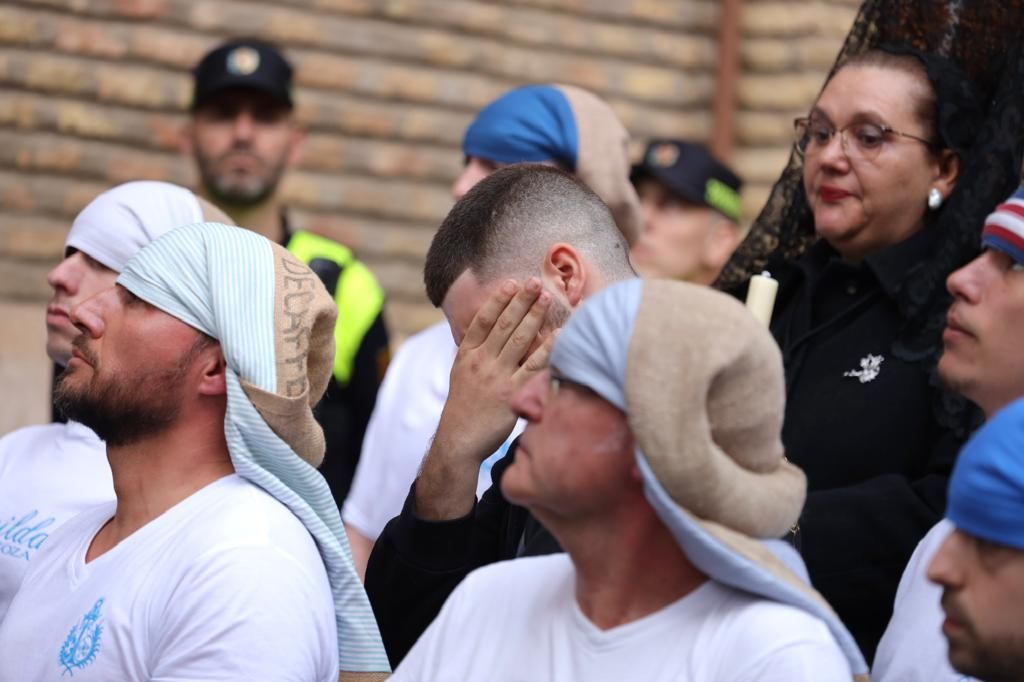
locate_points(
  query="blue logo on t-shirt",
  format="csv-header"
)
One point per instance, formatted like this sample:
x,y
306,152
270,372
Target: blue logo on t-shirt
x,y
83,642
20,537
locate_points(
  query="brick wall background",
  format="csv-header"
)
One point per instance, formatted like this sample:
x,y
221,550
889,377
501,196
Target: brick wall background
x,y
92,93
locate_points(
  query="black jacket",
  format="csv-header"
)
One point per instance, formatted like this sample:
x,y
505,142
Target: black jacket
x,y
870,428
416,564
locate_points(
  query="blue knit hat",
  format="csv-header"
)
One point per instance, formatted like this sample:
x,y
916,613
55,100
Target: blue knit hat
x,y
986,491
529,124
566,124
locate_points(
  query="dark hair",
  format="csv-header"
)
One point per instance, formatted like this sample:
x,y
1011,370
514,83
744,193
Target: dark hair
x,y
925,103
505,224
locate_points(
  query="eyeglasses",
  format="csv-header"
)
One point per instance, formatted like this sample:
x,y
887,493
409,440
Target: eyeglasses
x,y
859,140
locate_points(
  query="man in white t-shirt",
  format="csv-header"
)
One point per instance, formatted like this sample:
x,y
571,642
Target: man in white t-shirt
x,y
653,454
554,235
49,473
223,556
980,564
981,360
558,125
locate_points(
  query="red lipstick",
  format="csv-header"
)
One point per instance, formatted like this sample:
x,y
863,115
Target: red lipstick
x,y
832,194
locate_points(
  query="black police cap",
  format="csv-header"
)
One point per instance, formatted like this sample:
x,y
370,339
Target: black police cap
x,y
245,63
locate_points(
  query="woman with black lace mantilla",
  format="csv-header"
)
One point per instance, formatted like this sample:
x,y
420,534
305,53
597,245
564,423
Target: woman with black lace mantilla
x,y
916,136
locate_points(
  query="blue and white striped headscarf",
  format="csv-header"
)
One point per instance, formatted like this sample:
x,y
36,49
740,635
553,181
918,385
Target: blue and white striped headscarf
x,y
274,321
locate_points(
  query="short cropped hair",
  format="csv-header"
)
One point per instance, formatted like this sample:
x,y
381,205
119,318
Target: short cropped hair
x,y
505,224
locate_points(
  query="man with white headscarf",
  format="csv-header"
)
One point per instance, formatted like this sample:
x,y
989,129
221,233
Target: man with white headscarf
x,y
653,453
223,556
49,473
980,563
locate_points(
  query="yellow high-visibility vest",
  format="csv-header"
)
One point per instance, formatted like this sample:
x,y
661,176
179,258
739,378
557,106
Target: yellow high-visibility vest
x,y
357,294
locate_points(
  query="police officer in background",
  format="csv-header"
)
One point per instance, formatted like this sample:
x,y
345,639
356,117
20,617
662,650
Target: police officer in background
x,y
244,135
691,208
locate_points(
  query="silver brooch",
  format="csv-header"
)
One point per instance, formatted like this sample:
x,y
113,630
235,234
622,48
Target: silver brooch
x,y
870,368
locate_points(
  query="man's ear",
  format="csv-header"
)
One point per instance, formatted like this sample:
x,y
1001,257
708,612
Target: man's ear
x,y
213,371
564,271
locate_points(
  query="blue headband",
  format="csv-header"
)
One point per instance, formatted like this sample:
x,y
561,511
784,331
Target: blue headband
x,y
529,124
986,491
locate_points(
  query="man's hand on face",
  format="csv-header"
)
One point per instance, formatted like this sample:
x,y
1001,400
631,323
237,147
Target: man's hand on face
x,y
493,361
499,353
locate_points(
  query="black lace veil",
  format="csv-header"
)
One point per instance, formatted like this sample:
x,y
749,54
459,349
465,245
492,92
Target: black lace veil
x,y
972,52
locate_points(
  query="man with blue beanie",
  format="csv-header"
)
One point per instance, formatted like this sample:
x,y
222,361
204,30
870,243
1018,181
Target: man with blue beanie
x,y
980,565
981,360
557,125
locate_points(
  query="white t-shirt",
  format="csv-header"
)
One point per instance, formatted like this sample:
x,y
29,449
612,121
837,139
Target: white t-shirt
x,y
47,475
225,585
404,421
913,648
519,620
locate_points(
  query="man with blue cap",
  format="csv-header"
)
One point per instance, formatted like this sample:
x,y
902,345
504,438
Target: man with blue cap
x,y
653,454
980,564
557,125
223,555
981,360
49,473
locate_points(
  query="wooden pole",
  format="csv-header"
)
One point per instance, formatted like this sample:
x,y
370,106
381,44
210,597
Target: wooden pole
x,y
724,107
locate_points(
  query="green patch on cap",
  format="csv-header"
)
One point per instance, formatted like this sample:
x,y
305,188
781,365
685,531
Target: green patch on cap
x,y
722,198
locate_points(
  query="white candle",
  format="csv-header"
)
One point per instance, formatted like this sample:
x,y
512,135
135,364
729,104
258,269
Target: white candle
x,y
761,296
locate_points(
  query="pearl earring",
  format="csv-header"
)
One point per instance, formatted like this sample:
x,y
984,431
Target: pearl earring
x,y
934,198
